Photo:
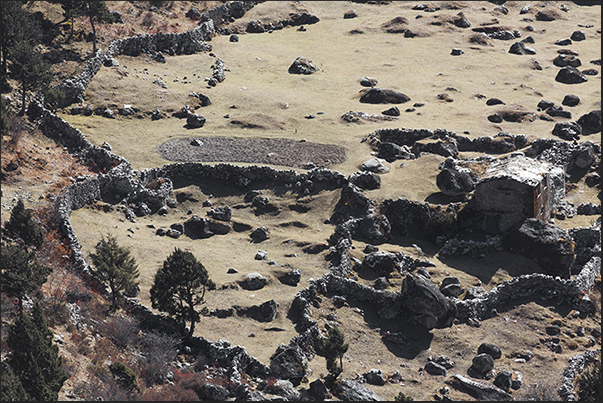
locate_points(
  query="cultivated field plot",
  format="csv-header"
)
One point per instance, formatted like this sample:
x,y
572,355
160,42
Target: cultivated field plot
x,y
260,100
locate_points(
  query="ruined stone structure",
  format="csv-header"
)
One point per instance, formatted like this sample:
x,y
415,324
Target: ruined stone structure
x,y
518,187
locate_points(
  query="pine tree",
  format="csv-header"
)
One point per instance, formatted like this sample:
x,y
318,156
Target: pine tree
x,y
11,389
113,264
95,11
20,272
34,358
22,225
179,287
332,347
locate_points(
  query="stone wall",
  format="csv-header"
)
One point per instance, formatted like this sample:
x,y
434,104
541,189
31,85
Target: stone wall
x,y
574,367
189,42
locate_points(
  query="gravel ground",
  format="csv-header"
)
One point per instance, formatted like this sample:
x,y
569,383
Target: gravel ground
x,y
291,153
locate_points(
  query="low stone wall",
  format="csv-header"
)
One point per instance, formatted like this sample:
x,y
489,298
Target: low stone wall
x,y
575,366
189,42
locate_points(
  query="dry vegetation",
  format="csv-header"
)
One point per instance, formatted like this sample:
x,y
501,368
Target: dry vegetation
x,y
259,99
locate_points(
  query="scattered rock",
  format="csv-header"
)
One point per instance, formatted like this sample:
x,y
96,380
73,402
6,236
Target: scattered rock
x,y
483,363
590,123
490,349
375,377
265,312
289,362
456,52
368,81
365,180
520,48
434,368
253,281
571,100
195,121
301,65
345,389
259,234
374,165
291,277
383,96
350,14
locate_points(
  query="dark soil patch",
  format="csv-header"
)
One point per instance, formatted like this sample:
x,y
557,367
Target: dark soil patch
x,y
284,152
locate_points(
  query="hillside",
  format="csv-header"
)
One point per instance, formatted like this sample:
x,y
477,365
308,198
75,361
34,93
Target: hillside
x,y
347,194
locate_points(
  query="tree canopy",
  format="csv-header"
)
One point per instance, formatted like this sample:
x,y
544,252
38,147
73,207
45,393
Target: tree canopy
x,y
180,286
20,271
114,265
22,225
332,347
34,358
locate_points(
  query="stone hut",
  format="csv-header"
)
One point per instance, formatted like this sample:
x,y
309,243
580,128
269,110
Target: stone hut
x,y
517,187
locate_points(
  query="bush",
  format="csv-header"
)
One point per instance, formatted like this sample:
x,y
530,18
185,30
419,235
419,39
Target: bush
x,y
125,376
22,225
401,397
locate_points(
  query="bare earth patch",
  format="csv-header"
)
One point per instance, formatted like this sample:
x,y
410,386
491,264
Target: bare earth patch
x,y
297,154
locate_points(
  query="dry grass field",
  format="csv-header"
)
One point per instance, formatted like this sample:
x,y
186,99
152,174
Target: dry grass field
x,y
259,90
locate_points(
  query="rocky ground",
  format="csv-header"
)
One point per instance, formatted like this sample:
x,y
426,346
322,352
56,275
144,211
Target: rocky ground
x,y
262,114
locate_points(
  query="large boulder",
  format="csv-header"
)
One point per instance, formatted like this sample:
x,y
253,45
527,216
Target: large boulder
x,y
548,245
348,390
392,152
567,130
253,281
265,312
454,182
301,65
590,122
289,362
383,96
201,227
365,180
195,121
570,75
520,48
423,298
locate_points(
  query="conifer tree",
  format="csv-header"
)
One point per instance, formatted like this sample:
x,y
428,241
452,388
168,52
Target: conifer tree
x,y
11,389
332,347
96,11
20,272
114,265
179,287
34,358
22,225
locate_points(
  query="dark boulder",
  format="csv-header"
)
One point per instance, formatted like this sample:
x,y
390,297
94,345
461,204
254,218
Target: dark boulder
x,y
504,380
383,96
547,15
451,287
490,349
253,281
461,21
385,262
255,27
368,81
570,75
434,368
590,122
548,245
348,390
392,152
365,180
422,297
455,183
200,227
290,277
520,48
570,100
265,312
494,101
259,234
195,121
567,130
393,111
578,36
483,363
222,213
289,362
301,65
567,60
